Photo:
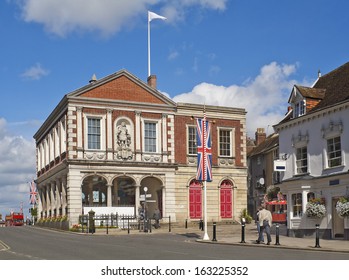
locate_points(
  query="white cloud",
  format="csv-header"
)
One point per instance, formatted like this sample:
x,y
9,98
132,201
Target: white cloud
x,y
104,16
264,97
173,55
17,168
35,72
214,70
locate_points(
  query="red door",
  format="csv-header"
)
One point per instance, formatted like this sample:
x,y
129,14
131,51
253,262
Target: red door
x,y
226,199
195,201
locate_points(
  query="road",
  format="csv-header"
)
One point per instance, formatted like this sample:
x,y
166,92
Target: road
x,y
32,243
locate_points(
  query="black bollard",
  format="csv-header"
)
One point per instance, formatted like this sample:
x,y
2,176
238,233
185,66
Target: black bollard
x,y
169,223
214,232
277,232
243,232
128,225
201,225
317,241
186,223
145,225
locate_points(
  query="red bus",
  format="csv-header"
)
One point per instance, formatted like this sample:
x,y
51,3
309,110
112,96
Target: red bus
x,y
278,209
14,219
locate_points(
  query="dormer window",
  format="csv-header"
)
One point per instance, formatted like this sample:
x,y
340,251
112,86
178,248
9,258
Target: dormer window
x,y
299,109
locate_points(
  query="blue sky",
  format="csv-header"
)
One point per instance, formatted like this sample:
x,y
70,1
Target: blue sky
x,y
239,53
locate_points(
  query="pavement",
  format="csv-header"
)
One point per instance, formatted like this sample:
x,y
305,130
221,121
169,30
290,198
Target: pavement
x,y
231,234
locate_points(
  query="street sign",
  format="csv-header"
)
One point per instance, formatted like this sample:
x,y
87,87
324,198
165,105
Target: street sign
x,y
148,200
279,165
142,196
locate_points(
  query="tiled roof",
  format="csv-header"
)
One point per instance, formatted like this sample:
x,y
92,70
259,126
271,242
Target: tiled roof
x,y
315,93
269,143
336,84
330,89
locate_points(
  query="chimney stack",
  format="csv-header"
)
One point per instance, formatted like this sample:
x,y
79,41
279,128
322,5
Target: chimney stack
x,y
260,136
152,81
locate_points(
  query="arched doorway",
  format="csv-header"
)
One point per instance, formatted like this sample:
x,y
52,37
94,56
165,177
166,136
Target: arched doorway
x,y
226,199
154,198
94,191
124,192
195,199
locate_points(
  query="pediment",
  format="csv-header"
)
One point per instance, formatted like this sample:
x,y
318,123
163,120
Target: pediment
x,y
122,86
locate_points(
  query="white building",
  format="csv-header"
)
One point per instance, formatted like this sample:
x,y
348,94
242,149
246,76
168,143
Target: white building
x,y
314,142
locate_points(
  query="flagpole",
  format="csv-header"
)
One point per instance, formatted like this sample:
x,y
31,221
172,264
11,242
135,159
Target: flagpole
x,y
148,46
206,237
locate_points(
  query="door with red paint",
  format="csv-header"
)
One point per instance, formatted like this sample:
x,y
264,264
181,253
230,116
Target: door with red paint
x,y
226,199
195,200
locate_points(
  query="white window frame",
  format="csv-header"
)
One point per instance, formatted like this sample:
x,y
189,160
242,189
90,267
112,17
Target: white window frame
x,y
231,144
102,119
328,159
299,108
299,207
332,131
301,160
188,139
158,135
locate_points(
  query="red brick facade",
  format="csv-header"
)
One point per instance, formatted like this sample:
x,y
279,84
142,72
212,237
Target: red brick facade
x,y
117,153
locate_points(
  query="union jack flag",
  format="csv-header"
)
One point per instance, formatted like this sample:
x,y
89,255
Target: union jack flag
x,y
33,192
203,133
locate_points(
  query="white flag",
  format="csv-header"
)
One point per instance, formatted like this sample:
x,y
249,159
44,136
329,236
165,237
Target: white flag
x,y
152,16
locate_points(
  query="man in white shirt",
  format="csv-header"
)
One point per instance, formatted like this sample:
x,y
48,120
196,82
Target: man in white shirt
x,y
265,222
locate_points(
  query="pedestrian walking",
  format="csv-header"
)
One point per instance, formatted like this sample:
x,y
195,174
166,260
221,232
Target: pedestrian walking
x,y
265,222
141,212
157,217
258,226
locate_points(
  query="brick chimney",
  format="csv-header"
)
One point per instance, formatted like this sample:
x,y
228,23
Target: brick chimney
x,y
152,81
260,136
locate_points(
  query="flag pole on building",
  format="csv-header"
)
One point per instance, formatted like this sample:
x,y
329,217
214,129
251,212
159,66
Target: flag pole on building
x,y
206,237
204,171
151,16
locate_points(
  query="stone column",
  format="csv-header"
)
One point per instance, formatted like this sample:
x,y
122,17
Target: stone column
x,y
64,196
164,138
59,196
42,202
109,135
138,138
137,200
163,193
79,132
48,200
109,195
53,198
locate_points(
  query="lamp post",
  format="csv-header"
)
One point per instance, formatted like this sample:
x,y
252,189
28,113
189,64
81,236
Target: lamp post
x,y
145,210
